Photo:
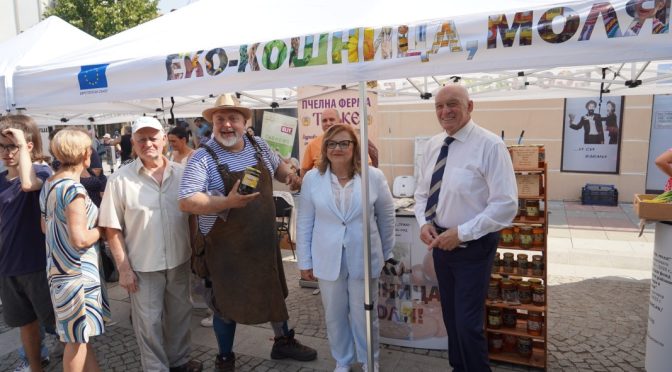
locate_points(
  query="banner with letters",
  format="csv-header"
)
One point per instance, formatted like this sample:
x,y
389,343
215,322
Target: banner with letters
x,y
210,60
313,100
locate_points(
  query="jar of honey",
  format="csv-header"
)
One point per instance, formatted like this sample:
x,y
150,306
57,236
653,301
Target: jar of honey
x,y
522,263
508,262
509,318
526,237
542,156
532,209
509,291
510,343
495,342
537,265
496,263
537,235
521,208
524,347
539,295
249,182
535,323
506,237
534,282
515,279
494,318
493,290
525,293
516,235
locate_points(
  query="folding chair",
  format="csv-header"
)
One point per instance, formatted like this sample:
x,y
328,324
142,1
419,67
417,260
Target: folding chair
x,y
283,220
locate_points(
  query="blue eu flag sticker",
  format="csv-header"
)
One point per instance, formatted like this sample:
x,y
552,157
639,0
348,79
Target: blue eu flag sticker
x,y
92,77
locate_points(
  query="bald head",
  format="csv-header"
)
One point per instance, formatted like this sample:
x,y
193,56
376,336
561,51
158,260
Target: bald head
x,y
453,108
330,117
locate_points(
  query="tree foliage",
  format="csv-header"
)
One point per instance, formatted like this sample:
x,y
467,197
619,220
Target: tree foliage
x,y
103,18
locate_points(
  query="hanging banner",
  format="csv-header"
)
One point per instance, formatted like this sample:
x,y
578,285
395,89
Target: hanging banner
x,y
591,138
314,100
536,36
409,306
279,131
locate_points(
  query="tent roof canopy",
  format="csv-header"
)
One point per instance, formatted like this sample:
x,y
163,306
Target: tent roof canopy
x,y
49,39
500,51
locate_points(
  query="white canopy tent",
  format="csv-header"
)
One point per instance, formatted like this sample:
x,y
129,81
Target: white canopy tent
x,y
515,48
195,52
49,39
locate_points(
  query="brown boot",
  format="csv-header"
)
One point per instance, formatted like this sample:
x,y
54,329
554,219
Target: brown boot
x,y
289,347
227,364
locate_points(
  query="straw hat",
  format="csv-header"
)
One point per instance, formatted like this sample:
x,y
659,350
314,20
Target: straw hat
x,y
227,102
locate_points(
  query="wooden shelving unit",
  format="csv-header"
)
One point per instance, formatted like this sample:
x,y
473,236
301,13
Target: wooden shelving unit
x,y
539,356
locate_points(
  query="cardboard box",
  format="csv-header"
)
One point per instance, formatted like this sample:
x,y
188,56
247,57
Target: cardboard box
x,y
652,211
528,185
525,156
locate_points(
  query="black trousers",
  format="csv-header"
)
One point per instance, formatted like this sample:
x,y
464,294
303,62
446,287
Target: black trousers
x,y
463,276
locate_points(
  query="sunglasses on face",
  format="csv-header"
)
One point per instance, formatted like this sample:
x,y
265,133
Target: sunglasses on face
x,y
343,145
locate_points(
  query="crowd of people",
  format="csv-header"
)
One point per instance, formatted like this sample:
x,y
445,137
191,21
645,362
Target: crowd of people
x,y
166,216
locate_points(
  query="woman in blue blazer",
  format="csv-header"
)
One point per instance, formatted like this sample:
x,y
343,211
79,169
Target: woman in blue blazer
x,y
330,244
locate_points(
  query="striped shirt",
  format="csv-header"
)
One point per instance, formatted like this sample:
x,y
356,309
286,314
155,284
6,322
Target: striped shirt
x,y
201,175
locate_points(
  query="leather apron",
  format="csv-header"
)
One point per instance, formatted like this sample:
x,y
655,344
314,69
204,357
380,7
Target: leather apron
x,y
244,260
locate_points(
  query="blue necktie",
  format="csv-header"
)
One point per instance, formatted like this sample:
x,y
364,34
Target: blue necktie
x,y
435,185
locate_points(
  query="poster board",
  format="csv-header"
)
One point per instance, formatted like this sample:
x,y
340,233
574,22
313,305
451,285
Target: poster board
x,y
591,135
660,141
408,304
278,131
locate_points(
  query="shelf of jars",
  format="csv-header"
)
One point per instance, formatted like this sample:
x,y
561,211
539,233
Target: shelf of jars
x,y
521,328
535,357
516,305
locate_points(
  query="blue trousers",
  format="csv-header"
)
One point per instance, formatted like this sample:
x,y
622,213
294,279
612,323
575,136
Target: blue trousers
x,y
463,276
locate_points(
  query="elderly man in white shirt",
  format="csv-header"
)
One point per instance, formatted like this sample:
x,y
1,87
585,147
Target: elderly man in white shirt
x,y
466,193
149,239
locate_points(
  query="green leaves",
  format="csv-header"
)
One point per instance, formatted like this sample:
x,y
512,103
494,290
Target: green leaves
x,y
103,18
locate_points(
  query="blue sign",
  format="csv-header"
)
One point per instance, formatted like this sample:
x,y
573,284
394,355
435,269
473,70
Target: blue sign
x,y
92,77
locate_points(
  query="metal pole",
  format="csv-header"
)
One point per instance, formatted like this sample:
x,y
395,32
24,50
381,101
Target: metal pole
x,y
368,301
17,24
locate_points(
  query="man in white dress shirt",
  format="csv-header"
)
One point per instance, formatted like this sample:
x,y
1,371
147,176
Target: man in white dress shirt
x,y
149,239
472,197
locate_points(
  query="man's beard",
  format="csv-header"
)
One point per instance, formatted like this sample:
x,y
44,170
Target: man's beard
x,y
230,141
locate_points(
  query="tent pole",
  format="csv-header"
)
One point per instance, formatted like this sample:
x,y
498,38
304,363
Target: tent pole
x,y
364,151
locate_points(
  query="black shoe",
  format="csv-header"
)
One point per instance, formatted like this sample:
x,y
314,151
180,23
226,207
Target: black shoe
x,y
227,364
289,347
190,366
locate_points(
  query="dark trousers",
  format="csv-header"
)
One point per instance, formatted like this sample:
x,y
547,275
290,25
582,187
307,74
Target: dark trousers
x,y
463,276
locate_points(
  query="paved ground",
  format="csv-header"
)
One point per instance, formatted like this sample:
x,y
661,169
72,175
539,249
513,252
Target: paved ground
x,y
599,275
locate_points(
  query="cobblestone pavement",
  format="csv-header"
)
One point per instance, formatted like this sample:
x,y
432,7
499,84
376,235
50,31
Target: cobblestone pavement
x,y
594,325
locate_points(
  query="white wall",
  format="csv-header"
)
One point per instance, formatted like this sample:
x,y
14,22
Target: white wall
x,y
17,16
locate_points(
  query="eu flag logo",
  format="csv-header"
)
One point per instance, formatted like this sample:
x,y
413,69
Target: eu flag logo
x,y
92,77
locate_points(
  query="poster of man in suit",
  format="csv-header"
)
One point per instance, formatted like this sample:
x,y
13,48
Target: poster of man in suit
x,y
591,134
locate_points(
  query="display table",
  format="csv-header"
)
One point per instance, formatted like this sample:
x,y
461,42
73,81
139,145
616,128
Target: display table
x,y
408,303
659,334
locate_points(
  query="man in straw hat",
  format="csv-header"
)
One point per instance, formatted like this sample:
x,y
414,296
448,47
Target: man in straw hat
x,y
242,257
149,239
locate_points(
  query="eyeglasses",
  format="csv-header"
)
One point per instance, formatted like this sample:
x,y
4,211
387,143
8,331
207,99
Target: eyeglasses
x,y
343,145
8,148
